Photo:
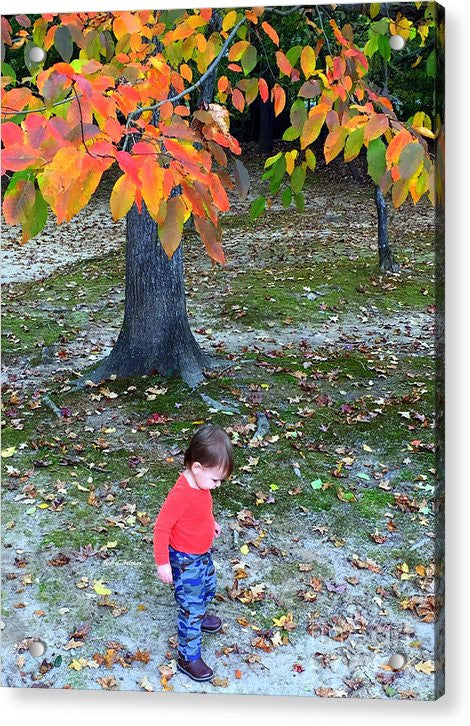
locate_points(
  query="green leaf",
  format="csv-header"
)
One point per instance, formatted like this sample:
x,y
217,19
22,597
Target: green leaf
x,y
316,484
39,216
17,176
299,201
249,59
384,47
376,159
257,208
361,475
293,54
272,159
58,661
297,179
275,185
7,70
372,45
291,134
311,159
381,26
374,9
286,198
354,144
279,168
298,114
431,65
410,160
63,43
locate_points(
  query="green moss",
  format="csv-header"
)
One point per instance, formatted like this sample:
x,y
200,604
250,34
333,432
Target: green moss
x,y
261,296
372,502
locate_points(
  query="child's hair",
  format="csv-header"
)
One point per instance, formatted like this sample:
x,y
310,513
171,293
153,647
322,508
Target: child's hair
x,y
210,446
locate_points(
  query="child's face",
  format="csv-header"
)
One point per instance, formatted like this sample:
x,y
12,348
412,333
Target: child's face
x,y
207,477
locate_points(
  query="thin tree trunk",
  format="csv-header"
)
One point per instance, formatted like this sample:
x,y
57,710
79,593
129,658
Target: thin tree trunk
x,y
386,261
266,122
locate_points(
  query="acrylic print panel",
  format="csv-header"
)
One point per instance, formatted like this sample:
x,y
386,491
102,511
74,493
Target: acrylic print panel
x,y
298,160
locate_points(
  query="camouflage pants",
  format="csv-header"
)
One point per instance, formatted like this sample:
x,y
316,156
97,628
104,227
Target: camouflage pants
x,y
195,584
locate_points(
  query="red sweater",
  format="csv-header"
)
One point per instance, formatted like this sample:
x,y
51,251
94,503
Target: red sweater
x,y
185,522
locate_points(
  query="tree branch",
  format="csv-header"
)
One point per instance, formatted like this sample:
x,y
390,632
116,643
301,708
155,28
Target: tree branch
x,y
192,88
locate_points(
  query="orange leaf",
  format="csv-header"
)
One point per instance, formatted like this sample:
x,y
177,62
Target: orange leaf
x,y
269,30
210,235
182,110
222,84
218,193
237,50
396,145
186,72
375,127
238,100
334,143
313,124
18,204
283,63
185,152
151,176
279,98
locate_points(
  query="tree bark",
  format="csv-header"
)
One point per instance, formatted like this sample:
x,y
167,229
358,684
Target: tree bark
x,y
155,336
386,261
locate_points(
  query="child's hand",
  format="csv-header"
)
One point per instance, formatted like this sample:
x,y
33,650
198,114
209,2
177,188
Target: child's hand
x,y
217,529
165,574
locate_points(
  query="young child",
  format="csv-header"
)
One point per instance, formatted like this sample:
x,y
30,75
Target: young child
x,y
183,535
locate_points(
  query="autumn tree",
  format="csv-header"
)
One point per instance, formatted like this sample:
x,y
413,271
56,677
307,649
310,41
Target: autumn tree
x,y
122,93
357,116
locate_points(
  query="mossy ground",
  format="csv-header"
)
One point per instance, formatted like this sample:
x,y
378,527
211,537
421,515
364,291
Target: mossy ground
x,y
353,411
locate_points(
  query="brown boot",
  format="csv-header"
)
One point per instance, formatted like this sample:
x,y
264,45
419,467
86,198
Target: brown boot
x,y
195,669
211,624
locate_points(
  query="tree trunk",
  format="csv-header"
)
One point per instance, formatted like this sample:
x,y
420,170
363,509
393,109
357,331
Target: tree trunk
x,y
386,261
155,336
266,122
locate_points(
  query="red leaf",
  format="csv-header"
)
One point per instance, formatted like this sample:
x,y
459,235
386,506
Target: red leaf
x,y
263,90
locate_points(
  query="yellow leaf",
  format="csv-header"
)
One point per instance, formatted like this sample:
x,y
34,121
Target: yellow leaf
x,y
366,448
122,197
229,20
425,666
244,549
6,453
100,589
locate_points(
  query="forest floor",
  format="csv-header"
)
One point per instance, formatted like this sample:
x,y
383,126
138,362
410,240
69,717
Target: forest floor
x,y
325,561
